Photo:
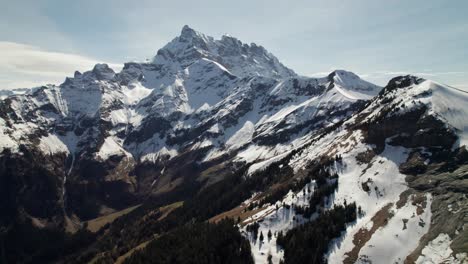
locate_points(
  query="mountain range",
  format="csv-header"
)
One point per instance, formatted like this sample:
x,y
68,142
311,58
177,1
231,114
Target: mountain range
x,y
111,164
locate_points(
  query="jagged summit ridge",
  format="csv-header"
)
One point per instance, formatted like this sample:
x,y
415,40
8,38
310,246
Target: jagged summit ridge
x,y
239,58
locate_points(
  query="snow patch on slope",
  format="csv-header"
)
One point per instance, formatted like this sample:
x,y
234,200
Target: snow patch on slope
x,y
135,92
163,152
6,142
51,144
110,147
439,251
452,106
242,137
396,240
214,129
387,185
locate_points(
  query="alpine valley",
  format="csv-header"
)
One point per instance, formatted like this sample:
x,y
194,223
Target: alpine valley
x,y
215,152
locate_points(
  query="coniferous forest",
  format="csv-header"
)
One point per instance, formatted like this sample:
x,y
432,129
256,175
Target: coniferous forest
x,y
197,243
309,242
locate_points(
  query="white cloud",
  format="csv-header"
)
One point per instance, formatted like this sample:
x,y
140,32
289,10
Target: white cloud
x,y
25,65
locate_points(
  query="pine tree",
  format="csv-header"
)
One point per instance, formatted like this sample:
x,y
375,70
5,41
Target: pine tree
x,y
261,236
269,234
270,259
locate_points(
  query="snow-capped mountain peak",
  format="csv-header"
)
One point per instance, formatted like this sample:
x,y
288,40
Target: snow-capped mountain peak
x,y
441,101
103,71
402,82
239,58
352,86
188,34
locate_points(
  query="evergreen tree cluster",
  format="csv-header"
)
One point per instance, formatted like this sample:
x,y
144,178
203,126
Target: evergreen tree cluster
x,y
309,242
253,228
319,172
326,184
197,243
317,199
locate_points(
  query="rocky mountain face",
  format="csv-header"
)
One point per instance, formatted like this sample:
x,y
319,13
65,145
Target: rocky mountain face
x,y
5,93
232,132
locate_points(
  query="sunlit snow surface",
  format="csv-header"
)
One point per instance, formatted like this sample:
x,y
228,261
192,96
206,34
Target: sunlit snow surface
x,y
111,147
384,173
446,103
439,251
51,144
276,220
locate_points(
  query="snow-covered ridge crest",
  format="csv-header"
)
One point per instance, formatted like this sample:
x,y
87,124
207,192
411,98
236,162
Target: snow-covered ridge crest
x,y
352,86
442,101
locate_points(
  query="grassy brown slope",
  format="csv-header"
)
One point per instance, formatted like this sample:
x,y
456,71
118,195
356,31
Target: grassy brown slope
x,y
95,224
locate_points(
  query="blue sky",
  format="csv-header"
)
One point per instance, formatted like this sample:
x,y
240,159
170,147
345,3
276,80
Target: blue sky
x,y
45,40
